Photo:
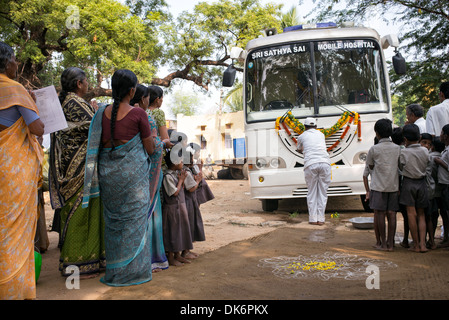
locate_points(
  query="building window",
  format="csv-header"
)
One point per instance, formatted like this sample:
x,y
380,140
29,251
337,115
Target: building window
x,y
203,142
227,141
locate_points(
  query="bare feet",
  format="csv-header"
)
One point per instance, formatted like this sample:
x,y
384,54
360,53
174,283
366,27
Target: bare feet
x,y
405,244
181,259
175,262
189,255
172,259
423,249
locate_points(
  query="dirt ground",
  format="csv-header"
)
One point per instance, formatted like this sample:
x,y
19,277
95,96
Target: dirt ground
x,y
253,255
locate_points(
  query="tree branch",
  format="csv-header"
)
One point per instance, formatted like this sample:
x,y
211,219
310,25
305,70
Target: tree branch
x,y
197,79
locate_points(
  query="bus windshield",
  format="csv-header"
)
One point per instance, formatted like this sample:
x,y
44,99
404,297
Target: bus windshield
x,y
315,78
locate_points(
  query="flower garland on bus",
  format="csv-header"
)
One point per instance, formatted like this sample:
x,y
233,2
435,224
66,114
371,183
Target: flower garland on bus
x,y
289,121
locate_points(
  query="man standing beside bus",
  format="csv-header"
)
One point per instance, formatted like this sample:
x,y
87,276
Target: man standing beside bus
x,y
438,116
317,169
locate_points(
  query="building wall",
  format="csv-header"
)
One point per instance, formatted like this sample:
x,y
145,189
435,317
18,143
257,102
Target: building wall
x,y
217,131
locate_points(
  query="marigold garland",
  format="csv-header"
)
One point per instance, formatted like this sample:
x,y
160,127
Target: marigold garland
x,y
289,121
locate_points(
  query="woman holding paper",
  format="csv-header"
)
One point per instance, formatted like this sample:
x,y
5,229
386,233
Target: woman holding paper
x,y
80,229
21,157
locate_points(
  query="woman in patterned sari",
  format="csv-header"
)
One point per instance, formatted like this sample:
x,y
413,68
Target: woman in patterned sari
x,y
118,170
159,259
21,159
81,238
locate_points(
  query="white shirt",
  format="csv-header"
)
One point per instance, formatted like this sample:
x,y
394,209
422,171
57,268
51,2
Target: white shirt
x,y
421,123
313,143
437,117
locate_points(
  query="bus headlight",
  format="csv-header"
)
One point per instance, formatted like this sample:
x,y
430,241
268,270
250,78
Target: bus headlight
x,y
268,163
274,163
360,158
261,163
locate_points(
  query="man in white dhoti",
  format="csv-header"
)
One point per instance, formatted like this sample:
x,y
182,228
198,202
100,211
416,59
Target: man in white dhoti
x,y
317,170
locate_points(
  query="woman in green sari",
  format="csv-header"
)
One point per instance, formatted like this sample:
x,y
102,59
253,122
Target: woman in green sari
x,y
81,238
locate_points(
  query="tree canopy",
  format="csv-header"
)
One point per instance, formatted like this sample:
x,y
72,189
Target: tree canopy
x,y
102,36
424,41
98,37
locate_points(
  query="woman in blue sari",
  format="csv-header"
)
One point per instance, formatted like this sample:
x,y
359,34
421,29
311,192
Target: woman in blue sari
x,y
159,259
118,168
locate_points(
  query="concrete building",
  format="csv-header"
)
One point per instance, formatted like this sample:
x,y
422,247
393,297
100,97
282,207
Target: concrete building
x,y
222,136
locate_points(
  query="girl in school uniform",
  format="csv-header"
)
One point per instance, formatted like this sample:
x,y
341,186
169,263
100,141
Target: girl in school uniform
x,y
191,183
203,192
175,223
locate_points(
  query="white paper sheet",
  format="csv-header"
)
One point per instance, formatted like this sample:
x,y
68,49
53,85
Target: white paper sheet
x,y
50,109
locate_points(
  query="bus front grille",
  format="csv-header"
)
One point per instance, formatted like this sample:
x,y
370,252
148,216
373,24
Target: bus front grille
x,y
302,192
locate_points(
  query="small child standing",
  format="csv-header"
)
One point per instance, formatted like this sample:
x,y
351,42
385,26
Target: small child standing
x,y
437,205
413,163
203,192
427,142
175,223
443,177
382,160
398,138
191,184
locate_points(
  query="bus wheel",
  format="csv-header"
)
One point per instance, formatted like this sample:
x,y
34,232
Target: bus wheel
x,y
236,173
365,204
270,204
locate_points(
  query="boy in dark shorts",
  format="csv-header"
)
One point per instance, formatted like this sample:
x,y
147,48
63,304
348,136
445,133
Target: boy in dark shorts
x,y
413,163
443,178
436,207
382,160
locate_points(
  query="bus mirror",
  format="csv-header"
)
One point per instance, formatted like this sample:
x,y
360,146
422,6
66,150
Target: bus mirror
x,y
390,40
235,53
229,76
399,64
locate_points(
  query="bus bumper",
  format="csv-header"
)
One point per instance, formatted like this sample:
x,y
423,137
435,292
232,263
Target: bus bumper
x,y
283,184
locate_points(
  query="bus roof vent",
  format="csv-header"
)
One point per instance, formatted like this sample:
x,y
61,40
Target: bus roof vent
x,y
311,26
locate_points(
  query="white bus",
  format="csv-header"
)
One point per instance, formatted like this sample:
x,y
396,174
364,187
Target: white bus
x,y
335,74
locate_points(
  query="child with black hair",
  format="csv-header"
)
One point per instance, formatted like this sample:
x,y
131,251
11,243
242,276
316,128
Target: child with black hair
x,y
398,138
191,185
443,177
437,203
382,160
413,163
427,142
175,223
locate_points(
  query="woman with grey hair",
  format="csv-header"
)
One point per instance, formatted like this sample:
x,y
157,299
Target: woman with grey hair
x,y
80,229
21,159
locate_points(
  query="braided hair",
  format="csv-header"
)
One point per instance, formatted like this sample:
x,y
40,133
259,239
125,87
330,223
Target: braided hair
x,y
69,81
122,82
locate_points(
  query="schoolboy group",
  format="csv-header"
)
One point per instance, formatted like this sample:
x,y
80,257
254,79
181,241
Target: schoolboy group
x,y
408,167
